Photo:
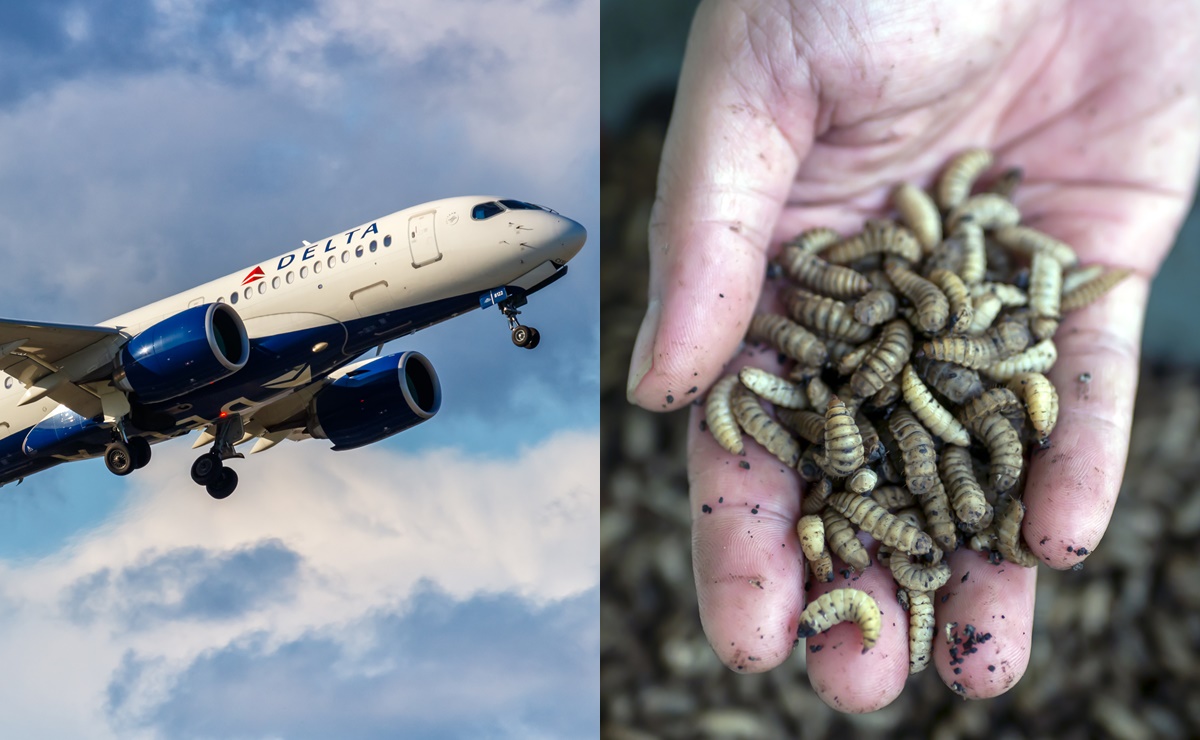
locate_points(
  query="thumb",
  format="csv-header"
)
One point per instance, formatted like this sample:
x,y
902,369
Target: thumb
x,y
724,177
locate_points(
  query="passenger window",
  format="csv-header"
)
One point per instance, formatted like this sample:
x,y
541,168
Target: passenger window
x,y
358,251
262,287
233,298
485,210
387,240
346,256
304,272
248,292
290,277
332,260
373,245
316,267
275,282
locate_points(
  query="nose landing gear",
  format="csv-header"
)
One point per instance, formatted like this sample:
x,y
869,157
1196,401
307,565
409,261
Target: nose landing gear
x,y
522,336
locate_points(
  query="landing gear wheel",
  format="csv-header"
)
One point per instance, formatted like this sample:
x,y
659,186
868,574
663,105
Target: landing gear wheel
x,y
534,337
139,448
226,481
118,458
207,469
521,335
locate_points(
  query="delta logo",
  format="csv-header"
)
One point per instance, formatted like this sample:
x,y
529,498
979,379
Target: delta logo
x,y
255,274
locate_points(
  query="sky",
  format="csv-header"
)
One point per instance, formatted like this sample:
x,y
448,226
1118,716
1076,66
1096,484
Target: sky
x,y
442,583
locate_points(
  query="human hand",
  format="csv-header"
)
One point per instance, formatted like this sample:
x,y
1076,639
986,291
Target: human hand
x,y
799,114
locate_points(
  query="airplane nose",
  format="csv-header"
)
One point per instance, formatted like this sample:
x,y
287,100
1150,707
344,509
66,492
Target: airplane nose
x,y
570,240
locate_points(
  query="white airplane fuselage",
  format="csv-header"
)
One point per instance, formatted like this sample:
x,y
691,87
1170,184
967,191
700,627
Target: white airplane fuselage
x,y
307,314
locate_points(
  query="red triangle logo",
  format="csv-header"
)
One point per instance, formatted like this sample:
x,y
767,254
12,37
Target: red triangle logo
x,y
255,274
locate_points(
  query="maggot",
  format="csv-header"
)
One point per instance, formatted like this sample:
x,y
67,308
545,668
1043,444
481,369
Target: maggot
x,y
827,316
1029,241
1045,294
1010,513
916,448
921,628
1037,359
718,411
839,533
877,237
885,360
919,213
843,442
1041,401
788,337
929,412
966,497
1004,451
809,270
960,175
811,531
1088,292
842,605
772,388
933,310
998,343
883,526
989,210
753,419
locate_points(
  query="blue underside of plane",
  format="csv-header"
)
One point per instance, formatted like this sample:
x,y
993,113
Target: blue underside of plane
x,y
271,358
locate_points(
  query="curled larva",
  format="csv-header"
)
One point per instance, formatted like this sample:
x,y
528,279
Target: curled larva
x,y
877,237
992,401
1041,401
919,213
843,442
718,412
811,530
884,361
989,210
1093,289
888,394
1028,241
955,382
938,521
766,431
810,472
828,279
788,337
1045,294
929,412
876,307
818,392
1004,451
849,362
966,497
1037,359
960,175
806,423
920,576
921,627
933,310
839,533
1009,516
985,308
893,497
772,388
961,307
998,343
812,241
984,540
883,526
862,481
827,316
916,449
842,605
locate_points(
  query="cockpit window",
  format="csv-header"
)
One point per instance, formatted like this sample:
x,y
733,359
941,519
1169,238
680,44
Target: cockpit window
x,y
517,205
485,210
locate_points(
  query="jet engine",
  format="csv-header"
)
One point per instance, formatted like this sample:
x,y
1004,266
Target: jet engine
x,y
376,400
183,353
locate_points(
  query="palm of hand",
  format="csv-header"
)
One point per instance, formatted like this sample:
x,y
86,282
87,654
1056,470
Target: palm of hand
x,y
1109,148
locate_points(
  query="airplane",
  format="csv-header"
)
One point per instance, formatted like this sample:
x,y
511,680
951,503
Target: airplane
x,y
276,351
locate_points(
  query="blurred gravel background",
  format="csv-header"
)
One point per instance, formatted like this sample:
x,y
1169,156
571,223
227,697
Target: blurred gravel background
x,y
1116,645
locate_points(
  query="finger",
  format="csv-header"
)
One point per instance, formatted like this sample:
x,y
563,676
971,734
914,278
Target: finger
x,y
845,677
745,552
1073,485
724,176
990,611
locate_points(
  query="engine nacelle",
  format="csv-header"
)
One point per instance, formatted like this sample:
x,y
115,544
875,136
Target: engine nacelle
x,y
65,432
376,400
183,353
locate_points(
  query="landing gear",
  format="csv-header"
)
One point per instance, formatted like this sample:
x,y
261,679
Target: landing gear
x,y
522,336
209,469
118,458
139,449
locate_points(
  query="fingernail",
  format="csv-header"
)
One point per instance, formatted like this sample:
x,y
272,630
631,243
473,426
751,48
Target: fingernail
x,y
643,349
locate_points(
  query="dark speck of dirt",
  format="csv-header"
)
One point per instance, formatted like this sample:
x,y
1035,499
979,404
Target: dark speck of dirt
x,y
992,668
815,648
957,671
1044,540
693,389
754,511
706,509
721,500
1070,549
1081,551
703,425
744,465
721,294
670,398
846,573
965,577
1077,566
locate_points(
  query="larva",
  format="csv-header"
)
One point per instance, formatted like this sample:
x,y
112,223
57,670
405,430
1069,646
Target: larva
x,y
966,497
919,213
984,540
826,316
929,412
974,262
955,382
862,481
1041,401
812,241
921,627
986,307
1072,279
992,401
989,210
877,237
827,279
1001,341
893,497
1004,451
818,392
1045,294
933,310
1008,182
843,443
807,424
766,431
810,471
961,307
811,530
920,576
888,394
1008,534
839,533
815,496
718,412
788,337
876,307
960,175
1009,295
842,605
849,362
1028,241
1037,359
916,448
872,444
877,522
885,360
945,256
938,522
1088,292
772,388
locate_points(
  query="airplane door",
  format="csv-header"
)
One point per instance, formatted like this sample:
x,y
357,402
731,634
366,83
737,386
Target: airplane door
x,y
422,242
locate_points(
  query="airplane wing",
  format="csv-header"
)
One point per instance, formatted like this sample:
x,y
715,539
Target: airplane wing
x,y
54,357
